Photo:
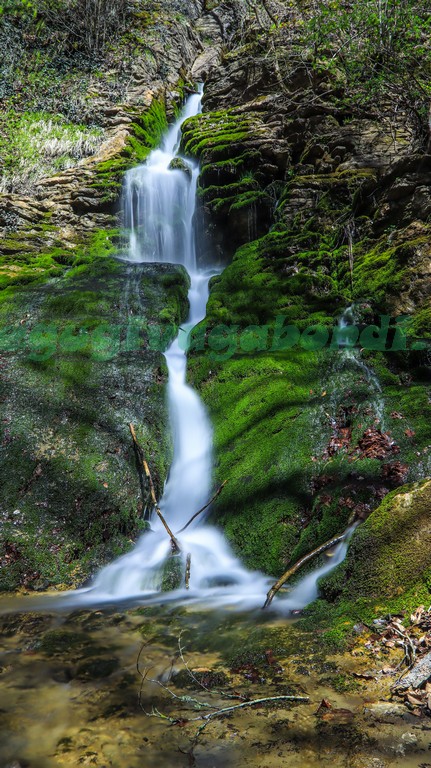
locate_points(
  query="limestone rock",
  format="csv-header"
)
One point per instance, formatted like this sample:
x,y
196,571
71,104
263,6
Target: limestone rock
x,y
178,164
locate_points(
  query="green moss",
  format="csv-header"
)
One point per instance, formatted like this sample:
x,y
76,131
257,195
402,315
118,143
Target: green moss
x,y
281,406
69,463
387,569
146,131
384,271
391,551
269,476
259,285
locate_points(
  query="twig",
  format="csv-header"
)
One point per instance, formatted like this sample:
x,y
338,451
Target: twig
x,y
202,509
145,679
220,712
175,544
409,654
190,673
198,682
323,547
142,675
204,718
184,699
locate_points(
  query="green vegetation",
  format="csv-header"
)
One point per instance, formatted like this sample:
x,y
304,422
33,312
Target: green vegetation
x,y
26,259
368,53
36,144
71,498
387,569
291,427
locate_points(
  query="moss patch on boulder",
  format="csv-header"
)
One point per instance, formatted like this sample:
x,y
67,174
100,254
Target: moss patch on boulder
x,y
81,358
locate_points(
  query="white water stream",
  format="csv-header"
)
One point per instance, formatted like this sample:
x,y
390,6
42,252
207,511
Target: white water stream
x,y
159,207
351,358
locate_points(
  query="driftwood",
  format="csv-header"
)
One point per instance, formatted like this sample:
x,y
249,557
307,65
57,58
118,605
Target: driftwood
x,y
323,547
202,509
138,448
418,675
188,565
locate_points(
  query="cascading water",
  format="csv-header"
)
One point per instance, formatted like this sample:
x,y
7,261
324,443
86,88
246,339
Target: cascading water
x,y
159,203
351,358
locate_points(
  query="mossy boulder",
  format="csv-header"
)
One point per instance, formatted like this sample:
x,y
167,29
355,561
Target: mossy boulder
x,y
173,573
390,554
81,359
178,164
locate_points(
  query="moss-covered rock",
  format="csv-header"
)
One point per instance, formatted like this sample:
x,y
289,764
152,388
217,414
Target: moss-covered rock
x,y
81,358
306,433
178,164
387,569
240,161
390,554
173,573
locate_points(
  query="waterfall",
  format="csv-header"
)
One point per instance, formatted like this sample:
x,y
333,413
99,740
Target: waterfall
x,y
351,358
159,205
159,201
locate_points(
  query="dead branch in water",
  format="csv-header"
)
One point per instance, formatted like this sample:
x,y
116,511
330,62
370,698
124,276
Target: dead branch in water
x,y
198,704
323,547
139,452
202,509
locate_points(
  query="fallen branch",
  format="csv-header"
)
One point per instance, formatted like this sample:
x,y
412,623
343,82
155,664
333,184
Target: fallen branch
x,y
408,677
323,547
202,509
188,702
225,710
138,448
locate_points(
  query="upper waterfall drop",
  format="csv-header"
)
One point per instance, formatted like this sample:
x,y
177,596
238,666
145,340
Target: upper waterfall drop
x,y
159,201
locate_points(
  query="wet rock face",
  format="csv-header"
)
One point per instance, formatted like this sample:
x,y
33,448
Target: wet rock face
x,y
243,158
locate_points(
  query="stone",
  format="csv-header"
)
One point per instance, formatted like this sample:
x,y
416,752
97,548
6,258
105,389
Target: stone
x,y
205,63
385,711
418,675
178,164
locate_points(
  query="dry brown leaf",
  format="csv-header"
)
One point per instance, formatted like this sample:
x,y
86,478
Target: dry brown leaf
x,y
417,614
414,699
363,675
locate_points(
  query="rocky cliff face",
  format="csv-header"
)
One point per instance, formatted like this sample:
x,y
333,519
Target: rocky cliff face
x,y
322,208
315,208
